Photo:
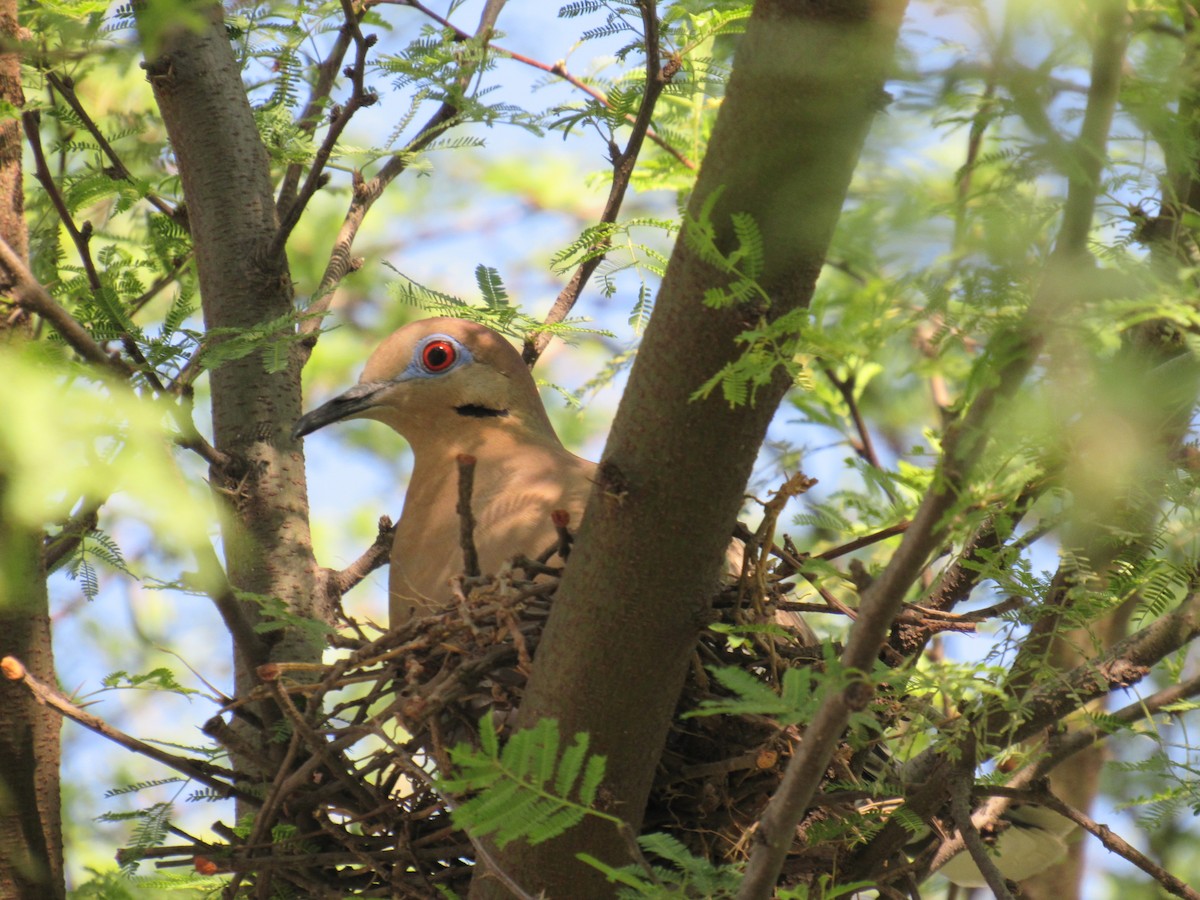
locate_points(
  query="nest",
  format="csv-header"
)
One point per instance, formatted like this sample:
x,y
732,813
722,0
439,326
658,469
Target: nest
x,y
350,808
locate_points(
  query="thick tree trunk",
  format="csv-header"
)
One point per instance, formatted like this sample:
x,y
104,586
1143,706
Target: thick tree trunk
x,y
231,211
31,864
807,81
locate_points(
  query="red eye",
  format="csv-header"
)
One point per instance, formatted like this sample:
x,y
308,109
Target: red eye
x,y
438,356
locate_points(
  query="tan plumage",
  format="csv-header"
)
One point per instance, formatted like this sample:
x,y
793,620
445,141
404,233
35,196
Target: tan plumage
x,y
482,402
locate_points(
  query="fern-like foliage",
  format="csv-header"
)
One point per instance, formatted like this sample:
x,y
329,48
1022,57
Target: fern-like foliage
x,y
532,787
140,786
796,701
496,312
158,679
95,546
150,830
679,874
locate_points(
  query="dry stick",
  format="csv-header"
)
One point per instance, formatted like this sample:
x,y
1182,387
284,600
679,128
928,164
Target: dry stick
x,y
215,777
335,765
367,192
558,68
66,87
375,556
265,818
657,78
466,518
30,295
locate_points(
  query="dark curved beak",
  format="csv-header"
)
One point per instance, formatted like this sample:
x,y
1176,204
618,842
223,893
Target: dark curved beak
x,y
359,398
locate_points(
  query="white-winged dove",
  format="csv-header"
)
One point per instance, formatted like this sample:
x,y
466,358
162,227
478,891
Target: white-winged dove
x,y
452,387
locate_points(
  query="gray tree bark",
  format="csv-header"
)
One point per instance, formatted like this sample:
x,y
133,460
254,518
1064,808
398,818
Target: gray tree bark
x,y
807,82
31,854
231,212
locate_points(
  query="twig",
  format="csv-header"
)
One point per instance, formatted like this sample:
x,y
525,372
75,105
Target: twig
x,y
310,116
206,451
375,556
864,446
657,78
960,811
466,518
215,777
32,296
1114,843
66,87
30,121
865,541
63,544
163,282
365,194
559,69
360,98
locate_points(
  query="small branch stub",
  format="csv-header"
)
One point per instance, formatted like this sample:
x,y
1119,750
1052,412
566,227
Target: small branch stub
x,y
13,668
466,518
562,519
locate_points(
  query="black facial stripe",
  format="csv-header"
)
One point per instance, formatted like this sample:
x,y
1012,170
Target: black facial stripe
x,y
479,412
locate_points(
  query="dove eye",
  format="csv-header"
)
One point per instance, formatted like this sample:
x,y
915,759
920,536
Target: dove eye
x,y
438,356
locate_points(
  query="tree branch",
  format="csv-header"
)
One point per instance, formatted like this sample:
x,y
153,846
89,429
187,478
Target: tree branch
x,y
559,68
62,545
310,116
367,192
360,98
80,237
219,779
66,87
1114,843
960,811
657,78
32,296
375,556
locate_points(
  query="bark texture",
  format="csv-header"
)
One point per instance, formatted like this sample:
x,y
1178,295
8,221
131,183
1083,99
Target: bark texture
x,y
807,81
228,189
31,865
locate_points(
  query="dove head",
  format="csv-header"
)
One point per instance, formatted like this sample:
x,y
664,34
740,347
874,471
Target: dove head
x,y
441,381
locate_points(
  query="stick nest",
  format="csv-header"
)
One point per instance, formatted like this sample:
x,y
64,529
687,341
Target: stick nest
x,y
350,806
